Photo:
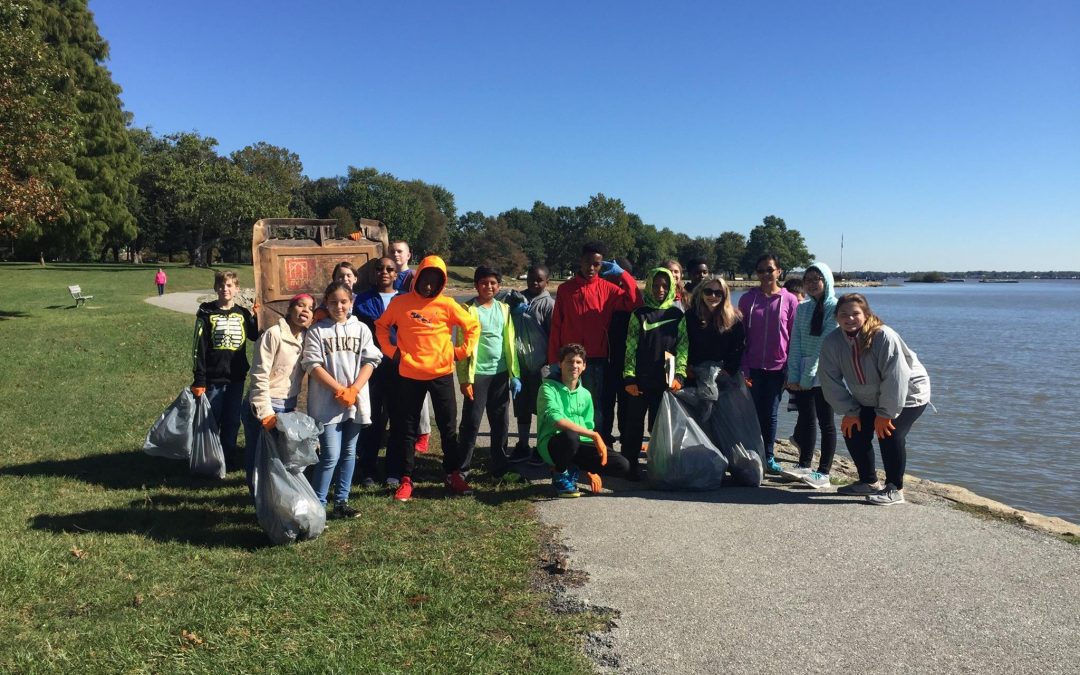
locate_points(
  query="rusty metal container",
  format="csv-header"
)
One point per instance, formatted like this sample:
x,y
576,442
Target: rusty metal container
x,y
298,255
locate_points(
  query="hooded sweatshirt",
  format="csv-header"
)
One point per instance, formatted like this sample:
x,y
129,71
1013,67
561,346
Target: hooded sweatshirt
x,y
423,329
582,313
768,320
342,349
221,337
805,348
507,353
276,372
656,328
888,377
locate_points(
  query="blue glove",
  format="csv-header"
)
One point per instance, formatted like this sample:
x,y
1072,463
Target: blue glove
x,y
519,308
554,370
515,386
609,268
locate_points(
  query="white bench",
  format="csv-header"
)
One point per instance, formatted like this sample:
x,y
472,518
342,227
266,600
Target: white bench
x,y
76,293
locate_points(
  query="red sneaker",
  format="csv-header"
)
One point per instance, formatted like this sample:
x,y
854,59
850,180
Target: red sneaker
x,y
404,491
422,443
457,485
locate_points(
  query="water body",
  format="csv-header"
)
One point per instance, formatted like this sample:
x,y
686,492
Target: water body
x,y
1004,364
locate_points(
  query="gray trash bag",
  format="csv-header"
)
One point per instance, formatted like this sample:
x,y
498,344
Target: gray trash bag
x,y
285,505
297,440
171,435
732,425
681,456
207,455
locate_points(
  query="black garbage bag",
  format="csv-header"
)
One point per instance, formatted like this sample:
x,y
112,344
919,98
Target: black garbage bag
x,y
732,425
171,435
207,455
298,440
681,456
285,505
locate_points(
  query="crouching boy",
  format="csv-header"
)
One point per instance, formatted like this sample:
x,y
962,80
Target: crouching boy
x,y
566,435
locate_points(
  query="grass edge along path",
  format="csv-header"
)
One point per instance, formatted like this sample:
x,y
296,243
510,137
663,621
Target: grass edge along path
x,y
115,561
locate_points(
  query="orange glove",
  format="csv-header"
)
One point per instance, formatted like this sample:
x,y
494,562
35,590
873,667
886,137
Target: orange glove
x,y
269,422
849,423
633,390
601,449
347,396
466,391
255,307
355,236
198,391
676,384
320,314
595,484
883,426
749,382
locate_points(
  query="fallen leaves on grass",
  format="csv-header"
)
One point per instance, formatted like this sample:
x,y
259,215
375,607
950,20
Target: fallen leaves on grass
x,y
137,600
78,552
417,600
190,639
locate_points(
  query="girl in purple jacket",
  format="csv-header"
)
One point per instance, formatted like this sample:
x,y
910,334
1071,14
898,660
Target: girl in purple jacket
x,y
769,315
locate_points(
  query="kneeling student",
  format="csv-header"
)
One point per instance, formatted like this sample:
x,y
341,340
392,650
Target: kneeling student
x,y
566,437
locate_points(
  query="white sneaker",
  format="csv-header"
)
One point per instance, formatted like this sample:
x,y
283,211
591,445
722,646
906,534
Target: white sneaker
x,y
859,489
817,480
887,497
795,473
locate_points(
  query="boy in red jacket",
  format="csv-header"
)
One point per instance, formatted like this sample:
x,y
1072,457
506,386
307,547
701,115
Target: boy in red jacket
x,y
582,314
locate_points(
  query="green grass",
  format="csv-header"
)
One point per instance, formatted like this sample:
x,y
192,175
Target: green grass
x,y
114,561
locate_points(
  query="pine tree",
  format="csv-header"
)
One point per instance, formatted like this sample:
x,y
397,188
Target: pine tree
x,y
96,186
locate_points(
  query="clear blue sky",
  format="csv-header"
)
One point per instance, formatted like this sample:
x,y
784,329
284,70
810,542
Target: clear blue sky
x,y
932,135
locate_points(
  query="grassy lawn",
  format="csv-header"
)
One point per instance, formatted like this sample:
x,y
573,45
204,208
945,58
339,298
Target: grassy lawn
x,y
114,561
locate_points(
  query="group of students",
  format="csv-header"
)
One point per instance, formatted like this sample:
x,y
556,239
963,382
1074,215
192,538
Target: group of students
x,y
600,350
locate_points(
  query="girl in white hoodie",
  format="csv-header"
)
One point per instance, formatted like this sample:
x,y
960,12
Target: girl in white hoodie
x,y
340,356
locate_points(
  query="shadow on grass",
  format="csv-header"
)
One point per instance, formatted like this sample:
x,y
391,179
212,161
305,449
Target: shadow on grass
x,y
130,470
8,314
212,523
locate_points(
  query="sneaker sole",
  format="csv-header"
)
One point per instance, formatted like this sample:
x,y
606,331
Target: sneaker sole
x,y
569,495
880,503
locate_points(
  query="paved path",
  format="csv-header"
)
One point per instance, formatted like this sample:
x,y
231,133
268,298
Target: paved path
x,y
780,579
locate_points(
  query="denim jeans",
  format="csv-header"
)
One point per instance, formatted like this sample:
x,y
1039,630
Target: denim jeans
x,y
252,430
593,380
767,391
337,457
225,402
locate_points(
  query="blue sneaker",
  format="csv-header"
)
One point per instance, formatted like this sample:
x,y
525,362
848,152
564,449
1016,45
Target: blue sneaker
x,y
773,467
564,487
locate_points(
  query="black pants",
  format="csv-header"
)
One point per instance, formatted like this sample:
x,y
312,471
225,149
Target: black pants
x,y
491,393
525,404
893,448
766,393
633,433
568,449
381,388
613,396
405,420
812,406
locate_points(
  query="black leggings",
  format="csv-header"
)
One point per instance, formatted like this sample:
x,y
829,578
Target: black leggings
x,y
568,449
893,448
812,405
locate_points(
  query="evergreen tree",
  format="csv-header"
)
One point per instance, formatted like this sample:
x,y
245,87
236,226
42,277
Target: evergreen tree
x,y
96,186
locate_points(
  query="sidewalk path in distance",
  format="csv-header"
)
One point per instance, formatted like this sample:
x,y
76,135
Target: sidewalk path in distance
x,y
785,580
186,301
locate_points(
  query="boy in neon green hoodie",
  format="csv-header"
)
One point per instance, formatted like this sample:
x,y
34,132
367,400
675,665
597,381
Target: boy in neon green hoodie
x,y
489,377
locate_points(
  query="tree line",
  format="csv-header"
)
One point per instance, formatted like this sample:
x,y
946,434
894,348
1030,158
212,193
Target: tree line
x,y
78,182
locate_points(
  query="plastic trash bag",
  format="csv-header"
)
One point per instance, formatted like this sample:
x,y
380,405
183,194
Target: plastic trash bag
x,y
207,455
297,440
285,505
732,425
171,436
681,456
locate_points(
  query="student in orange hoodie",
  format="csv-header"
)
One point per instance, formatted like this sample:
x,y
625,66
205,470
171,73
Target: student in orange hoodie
x,y
425,355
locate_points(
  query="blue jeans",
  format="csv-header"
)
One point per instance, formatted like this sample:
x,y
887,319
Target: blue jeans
x,y
337,450
225,402
767,391
252,430
593,380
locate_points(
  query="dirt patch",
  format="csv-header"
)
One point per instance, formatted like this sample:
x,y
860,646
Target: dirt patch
x,y
554,577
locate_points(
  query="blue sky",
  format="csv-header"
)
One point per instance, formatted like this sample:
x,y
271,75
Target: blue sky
x,y
931,135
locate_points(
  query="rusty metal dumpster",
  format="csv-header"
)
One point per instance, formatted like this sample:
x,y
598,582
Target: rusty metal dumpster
x,y
298,255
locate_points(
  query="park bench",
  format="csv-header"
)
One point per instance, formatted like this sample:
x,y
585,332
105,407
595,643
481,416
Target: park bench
x,y
76,292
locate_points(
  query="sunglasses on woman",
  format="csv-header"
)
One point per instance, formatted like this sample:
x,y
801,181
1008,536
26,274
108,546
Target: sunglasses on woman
x,y
712,292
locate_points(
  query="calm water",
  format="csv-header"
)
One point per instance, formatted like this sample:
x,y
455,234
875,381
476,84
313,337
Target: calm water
x,y
1004,364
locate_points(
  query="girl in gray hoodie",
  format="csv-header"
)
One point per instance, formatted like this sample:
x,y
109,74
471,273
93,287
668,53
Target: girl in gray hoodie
x,y
877,383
